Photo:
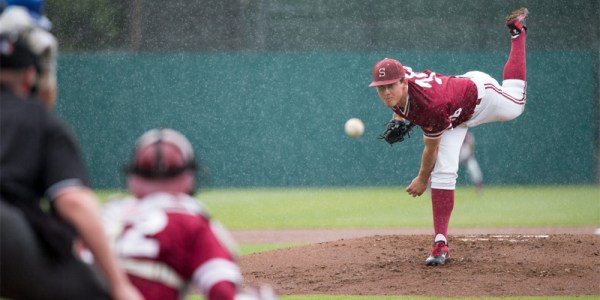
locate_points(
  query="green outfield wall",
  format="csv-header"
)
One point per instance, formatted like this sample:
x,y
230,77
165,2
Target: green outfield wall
x,y
276,119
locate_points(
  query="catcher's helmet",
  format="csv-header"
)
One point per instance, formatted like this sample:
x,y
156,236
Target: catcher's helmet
x,y
387,71
163,161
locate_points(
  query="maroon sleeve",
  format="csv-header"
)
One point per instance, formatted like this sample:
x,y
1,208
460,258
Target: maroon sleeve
x,y
204,246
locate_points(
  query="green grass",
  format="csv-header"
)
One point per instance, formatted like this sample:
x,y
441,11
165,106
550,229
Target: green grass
x,y
565,206
256,248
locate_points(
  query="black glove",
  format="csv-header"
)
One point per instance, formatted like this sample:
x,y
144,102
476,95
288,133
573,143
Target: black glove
x,y
395,131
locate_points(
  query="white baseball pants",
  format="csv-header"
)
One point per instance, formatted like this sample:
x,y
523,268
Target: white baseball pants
x,y
499,103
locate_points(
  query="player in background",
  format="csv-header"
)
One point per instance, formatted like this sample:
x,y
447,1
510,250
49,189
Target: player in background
x,y
444,107
41,164
467,159
164,236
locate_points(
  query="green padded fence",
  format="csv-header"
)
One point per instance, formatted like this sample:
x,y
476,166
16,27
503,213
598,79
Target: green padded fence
x,y
276,119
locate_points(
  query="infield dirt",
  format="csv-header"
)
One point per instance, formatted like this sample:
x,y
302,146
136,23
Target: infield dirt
x,y
479,265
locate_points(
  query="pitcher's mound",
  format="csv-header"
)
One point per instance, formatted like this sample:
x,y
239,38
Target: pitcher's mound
x,y
479,265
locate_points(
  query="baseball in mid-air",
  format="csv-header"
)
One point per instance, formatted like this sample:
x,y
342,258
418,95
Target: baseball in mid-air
x,y
354,127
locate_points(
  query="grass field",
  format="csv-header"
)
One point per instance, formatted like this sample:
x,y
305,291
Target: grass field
x,y
385,207
508,206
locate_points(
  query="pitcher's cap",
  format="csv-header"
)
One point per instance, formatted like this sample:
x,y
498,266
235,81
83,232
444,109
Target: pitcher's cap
x,y
387,71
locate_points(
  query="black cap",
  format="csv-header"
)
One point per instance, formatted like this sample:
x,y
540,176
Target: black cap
x,y
15,53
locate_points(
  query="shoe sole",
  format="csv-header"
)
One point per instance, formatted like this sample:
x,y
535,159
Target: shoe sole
x,y
517,15
436,261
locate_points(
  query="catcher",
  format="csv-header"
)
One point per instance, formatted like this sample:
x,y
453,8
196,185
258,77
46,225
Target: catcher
x,y
445,107
165,239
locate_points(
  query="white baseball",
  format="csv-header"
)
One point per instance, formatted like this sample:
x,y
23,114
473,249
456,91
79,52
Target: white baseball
x,y
354,127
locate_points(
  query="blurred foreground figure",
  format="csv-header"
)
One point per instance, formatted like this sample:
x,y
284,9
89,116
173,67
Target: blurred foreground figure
x,y
444,107
164,237
467,159
45,199
42,43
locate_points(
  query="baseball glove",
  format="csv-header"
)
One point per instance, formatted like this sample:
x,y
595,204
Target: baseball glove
x,y
395,131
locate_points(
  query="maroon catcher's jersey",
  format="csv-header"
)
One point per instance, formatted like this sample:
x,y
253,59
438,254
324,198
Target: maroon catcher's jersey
x,y
436,102
168,242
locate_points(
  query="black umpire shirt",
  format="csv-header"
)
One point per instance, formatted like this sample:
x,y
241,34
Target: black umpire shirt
x,y
38,157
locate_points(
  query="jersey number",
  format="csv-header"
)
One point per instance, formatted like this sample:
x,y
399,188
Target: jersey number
x,y
135,241
456,114
423,80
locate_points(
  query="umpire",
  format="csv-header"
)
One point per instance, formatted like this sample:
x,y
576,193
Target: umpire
x,y
39,159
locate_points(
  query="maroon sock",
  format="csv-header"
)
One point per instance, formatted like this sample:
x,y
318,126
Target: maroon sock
x,y
515,66
442,202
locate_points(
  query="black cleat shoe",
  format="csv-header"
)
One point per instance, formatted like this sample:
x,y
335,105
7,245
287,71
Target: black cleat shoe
x,y
516,21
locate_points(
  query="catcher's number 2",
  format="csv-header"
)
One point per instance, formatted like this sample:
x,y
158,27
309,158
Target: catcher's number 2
x,y
135,241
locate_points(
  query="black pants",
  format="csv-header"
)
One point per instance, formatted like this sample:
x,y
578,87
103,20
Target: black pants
x,y
27,272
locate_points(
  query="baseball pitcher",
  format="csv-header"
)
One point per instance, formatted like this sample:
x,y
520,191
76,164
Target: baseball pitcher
x,y
444,107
